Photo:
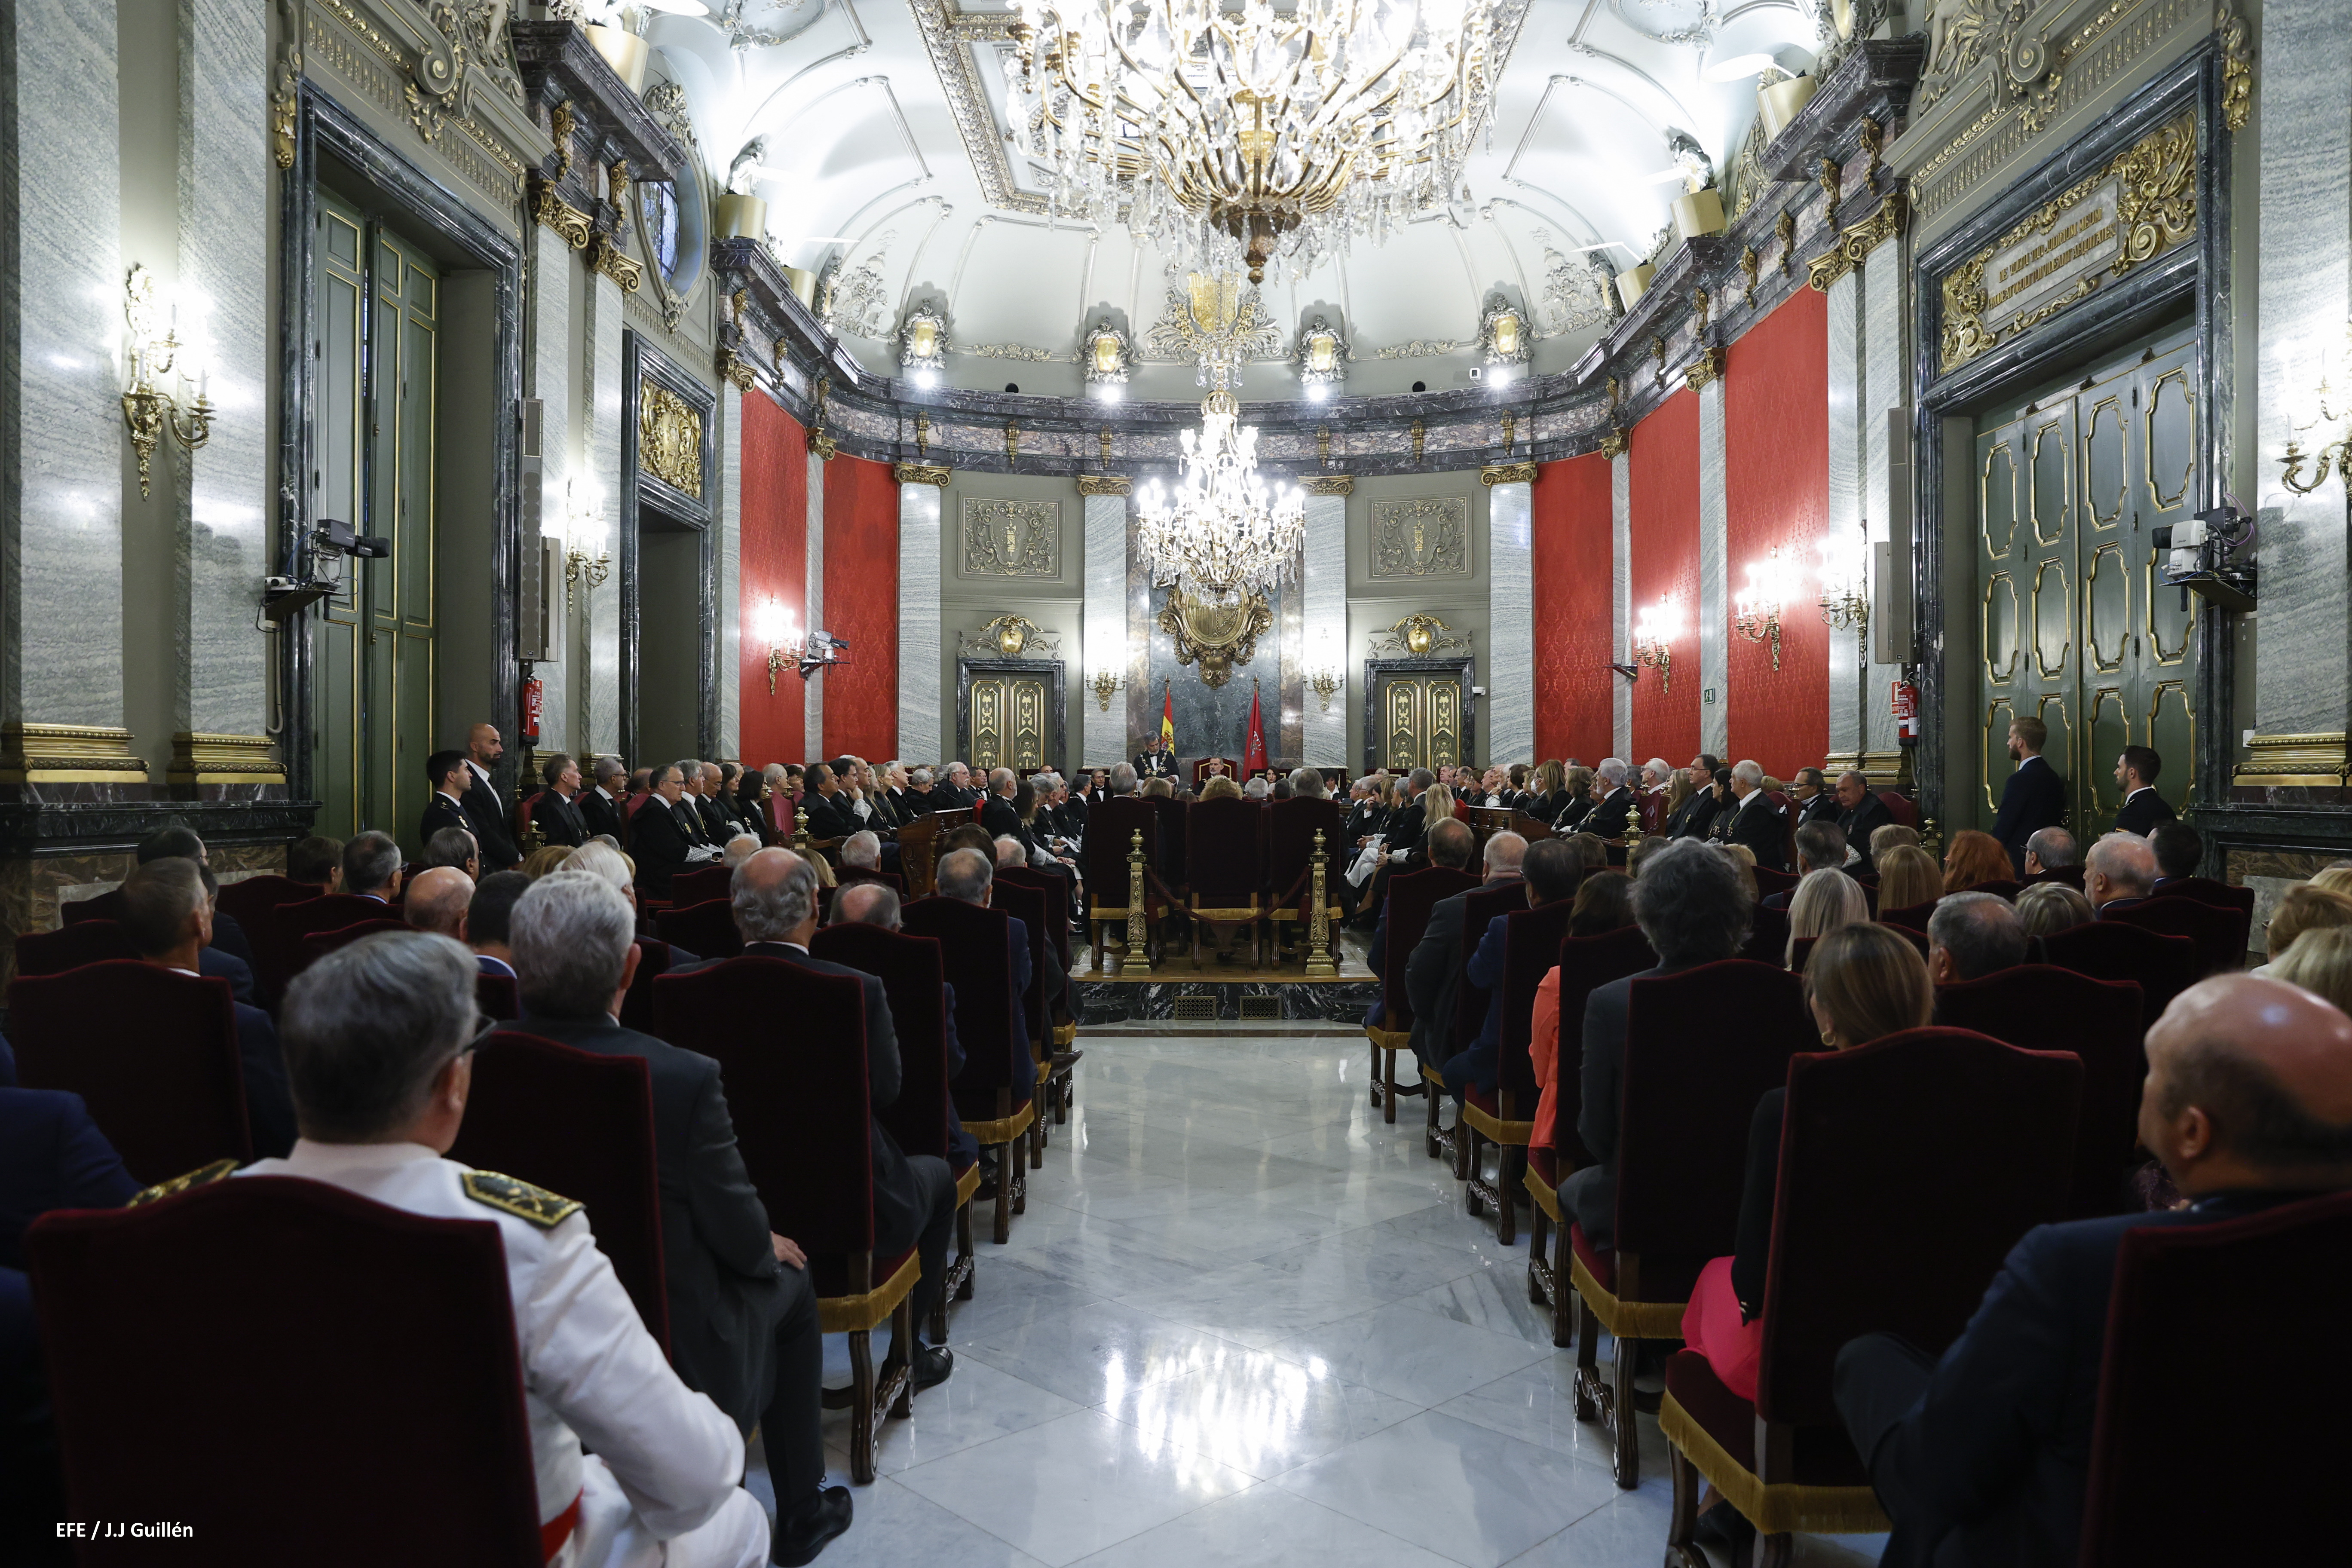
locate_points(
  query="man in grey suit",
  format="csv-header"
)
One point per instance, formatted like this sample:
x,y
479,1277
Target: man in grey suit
x,y
1434,973
1693,906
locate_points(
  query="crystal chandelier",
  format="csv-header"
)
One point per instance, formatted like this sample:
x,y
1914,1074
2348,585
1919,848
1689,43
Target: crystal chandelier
x,y
1225,532
1233,135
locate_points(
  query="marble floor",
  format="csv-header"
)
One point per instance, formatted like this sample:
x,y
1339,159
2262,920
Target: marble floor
x,y
1244,1321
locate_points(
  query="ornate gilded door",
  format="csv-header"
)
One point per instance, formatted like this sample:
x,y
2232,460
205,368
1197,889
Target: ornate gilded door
x,y
1009,715
2075,627
1419,721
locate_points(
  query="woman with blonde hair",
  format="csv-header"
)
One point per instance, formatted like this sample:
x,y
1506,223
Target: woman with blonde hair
x,y
1826,900
1436,805
1907,878
2305,907
2321,962
1576,802
545,859
1974,860
2335,878
2048,908
1551,792
1891,836
1222,788
1745,858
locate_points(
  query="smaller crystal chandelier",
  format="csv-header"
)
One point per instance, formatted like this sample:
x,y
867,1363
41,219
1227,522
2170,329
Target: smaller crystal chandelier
x,y
1226,531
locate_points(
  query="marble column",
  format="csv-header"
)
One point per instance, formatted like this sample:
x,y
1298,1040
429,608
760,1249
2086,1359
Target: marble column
x,y
1620,601
1846,739
1885,380
61,436
1714,578
547,375
2302,688
729,615
813,616
920,737
599,445
1510,706
1323,591
1103,742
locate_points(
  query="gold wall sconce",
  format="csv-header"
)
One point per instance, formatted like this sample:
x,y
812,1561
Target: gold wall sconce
x,y
153,348
1756,614
583,524
2336,454
1846,587
1327,675
1106,685
780,630
1653,638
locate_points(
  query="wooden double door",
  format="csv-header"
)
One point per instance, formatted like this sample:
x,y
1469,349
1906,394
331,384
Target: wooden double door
x,y
1418,717
1010,714
2077,626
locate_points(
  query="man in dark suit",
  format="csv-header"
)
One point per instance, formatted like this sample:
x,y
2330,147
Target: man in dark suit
x,y
486,814
1696,814
2144,810
1613,812
1749,817
2179,851
1815,803
827,805
556,814
447,776
1433,969
1155,761
167,919
661,840
1860,814
877,904
230,952
1552,871
742,1311
1981,1456
968,873
2119,874
600,808
914,1195
1820,847
1692,905
2034,797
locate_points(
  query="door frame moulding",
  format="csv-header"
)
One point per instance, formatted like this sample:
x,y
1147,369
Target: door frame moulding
x,y
1463,667
2194,274
644,491
321,123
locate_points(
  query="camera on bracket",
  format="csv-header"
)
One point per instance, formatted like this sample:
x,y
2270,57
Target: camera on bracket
x,y
338,539
281,596
2202,557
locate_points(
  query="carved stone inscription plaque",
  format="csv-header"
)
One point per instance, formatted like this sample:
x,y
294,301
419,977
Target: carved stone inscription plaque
x,y
1426,536
1012,538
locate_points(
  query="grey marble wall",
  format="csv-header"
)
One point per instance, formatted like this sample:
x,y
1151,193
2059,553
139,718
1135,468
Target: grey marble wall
x,y
1323,736
729,618
601,440
61,596
812,697
1509,710
921,732
1102,741
1885,379
1845,381
547,375
1621,600
2302,685
1713,577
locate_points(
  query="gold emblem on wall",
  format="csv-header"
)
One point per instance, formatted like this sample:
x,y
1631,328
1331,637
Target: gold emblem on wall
x,y
1426,536
669,440
1218,635
1012,538
1012,634
1420,636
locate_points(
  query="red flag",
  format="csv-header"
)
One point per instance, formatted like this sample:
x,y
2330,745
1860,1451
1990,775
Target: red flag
x,y
1167,719
1254,757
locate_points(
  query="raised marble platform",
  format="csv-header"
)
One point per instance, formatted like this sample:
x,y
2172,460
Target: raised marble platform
x,y
1228,991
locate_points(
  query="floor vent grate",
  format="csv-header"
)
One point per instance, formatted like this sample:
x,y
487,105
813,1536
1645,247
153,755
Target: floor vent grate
x,y
1195,1009
1261,1008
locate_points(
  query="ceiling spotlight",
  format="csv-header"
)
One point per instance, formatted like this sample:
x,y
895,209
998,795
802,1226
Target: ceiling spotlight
x,y
1108,390
1319,392
1737,66
926,379
1500,376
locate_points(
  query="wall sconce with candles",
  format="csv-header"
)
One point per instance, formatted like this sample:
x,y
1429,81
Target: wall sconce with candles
x,y
152,350
1756,614
1653,638
1845,586
780,630
583,522
1327,675
1106,684
2336,454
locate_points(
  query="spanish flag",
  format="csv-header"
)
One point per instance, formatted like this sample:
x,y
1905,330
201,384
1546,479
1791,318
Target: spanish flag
x,y
1167,717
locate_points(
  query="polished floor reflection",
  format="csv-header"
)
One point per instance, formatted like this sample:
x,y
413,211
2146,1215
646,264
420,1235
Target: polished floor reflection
x,y
1244,1321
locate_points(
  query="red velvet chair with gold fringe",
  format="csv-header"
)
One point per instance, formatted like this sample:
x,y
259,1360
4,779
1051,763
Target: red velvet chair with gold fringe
x,y
1111,838
250,900
1481,907
277,938
2205,890
318,945
2220,930
790,1047
1041,900
1291,842
1506,1116
700,885
1405,920
1908,1169
1224,872
2164,966
994,1095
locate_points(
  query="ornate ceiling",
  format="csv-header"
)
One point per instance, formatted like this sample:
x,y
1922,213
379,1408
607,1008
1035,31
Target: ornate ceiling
x,y
884,166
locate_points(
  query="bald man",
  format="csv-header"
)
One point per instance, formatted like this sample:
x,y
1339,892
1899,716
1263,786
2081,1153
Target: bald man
x,y
485,812
1981,1457
436,901
2119,872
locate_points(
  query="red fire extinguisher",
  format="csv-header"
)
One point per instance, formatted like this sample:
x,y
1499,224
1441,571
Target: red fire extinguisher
x,y
1907,713
532,694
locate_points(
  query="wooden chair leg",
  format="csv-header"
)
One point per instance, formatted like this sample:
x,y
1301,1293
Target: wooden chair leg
x,y
902,1353
963,1255
1388,1084
1626,1452
1506,1188
1096,943
1682,1550
863,1443
1430,1141
1588,1362
1465,1149
1008,1165
1539,1226
1373,1085
1775,1551
1564,1296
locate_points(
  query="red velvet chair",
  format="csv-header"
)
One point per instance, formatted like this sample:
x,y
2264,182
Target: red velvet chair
x,y
2204,890
1768,881
2165,966
1224,871
316,945
1111,829
1901,807
523,816
214,1415
1507,1118
1768,937
1481,907
1801,952
580,1123
2173,1285
790,1047
2003,890
2041,1006
106,905
1917,936
71,946
1908,1169
1175,820
496,996
277,938
637,1002
248,902
1913,916
2220,930
706,929
1231,765
1410,898
914,977
1586,963
1028,905
699,886
1060,1025
2070,874
1689,1092
995,1095
1291,826
152,1053
846,875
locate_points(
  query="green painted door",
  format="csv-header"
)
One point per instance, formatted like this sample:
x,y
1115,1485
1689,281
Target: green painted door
x,y
377,348
2075,627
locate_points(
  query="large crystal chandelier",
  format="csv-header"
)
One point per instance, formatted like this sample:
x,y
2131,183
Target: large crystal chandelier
x,y
1225,532
1237,134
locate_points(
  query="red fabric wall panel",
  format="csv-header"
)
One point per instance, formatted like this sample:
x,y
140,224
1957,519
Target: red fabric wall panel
x,y
1570,586
1663,498
861,608
773,564
1776,440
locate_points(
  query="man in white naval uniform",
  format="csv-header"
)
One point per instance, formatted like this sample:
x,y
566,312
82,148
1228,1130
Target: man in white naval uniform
x,y
379,1040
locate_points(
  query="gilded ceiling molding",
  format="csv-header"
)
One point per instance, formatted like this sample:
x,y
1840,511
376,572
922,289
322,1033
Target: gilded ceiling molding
x,y
946,37
1708,367
1507,474
922,474
1105,485
1858,242
606,256
1328,484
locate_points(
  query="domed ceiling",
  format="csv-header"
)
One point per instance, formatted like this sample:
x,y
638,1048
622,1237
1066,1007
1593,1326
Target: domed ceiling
x,y
875,132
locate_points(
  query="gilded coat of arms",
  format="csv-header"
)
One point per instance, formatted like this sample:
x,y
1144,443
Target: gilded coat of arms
x,y
1012,538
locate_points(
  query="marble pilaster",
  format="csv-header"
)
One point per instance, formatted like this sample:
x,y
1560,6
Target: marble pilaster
x,y
547,373
601,444
1713,577
920,734
1621,600
1510,706
2305,621
62,443
1103,741
1323,735
729,615
1886,395
1845,731
813,689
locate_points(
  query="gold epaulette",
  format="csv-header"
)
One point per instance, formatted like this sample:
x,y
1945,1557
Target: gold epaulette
x,y
542,1208
178,1184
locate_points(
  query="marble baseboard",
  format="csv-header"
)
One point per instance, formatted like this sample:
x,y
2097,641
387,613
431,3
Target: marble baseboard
x,y
236,794
1120,1001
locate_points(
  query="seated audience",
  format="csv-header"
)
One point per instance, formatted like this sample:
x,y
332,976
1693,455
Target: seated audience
x,y
861,851
1692,905
1821,846
965,874
2119,872
545,859
1551,872
436,901
489,919
1971,935
2179,850
2336,878
317,861
1220,788
1974,860
666,835
1604,902
2305,907
877,904
603,809
1743,857
1863,983
455,847
2320,961
556,813
2049,849
1748,820
1638,854
372,866
739,848
1907,877
1893,835
1826,900
2046,908
1980,1455
1432,972
1863,816
381,1037
167,920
